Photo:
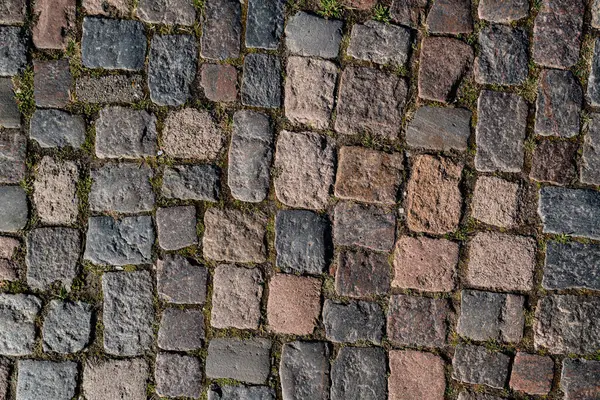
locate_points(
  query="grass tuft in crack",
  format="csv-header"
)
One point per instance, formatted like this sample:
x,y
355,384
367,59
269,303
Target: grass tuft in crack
x,y
381,13
330,9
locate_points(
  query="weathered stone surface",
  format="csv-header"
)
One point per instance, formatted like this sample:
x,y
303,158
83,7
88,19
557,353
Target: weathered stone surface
x,y
304,371
178,375
13,145
408,12
243,360
241,393
55,191
495,201
121,188
176,227
464,395
380,43
106,380
570,211
364,225
558,104
595,10
438,128
264,24
503,56
261,83
125,133
67,327
5,381
500,132
171,68
352,322
250,156
590,160
362,274
309,35
359,373
118,8
52,255
554,161
593,89
181,330
52,83
425,264
579,379
189,133
503,11
12,51
10,116
110,89
169,12
46,380
450,16
191,182
532,374
310,91
219,82
480,366
237,294
417,321
305,162
8,246
8,266
294,304
181,281
54,21
571,266
13,213
370,101
221,30
128,313
233,235
18,313
12,12
55,128
416,374
119,242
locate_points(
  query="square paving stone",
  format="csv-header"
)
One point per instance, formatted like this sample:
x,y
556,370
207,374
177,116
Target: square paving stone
x,y
55,191
105,379
52,83
416,374
503,11
352,322
554,161
178,376
55,23
264,24
246,360
123,188
236,299
176,227
110,89
532,374
12,12
18,313
439,128
169,12
261,83
365,225
571,265
55,128
13,145
125,133
309,35
46,380
359,373
14,210
362,274
192,134
480,366
558,104
191,182
181,281
304,371
495,202
113,44
503,56
580,379
408,12
590,159
570,211
10,116
294,304
67,327
222,29
380,43
13,55
450,16
219,81
370,101
119,8
240,392
181,330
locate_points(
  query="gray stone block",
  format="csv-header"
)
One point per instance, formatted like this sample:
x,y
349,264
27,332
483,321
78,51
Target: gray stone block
x,y
571,265
10,116
580,379
309,35
438,128
125,133
359,373
368,226
246,360
169,12
480,366
352,322
192,182
181,330
180,281
590,159
261,83
55,128
13,53
241,393
176,227
558,104
13,145
18,313
123,188
222,29
14,210
380,43
304,371
46,380
178,376
418,321
264,24
67,327
503,56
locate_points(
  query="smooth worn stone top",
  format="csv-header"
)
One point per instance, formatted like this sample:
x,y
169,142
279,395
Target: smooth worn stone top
x,y
181,281
309,35
264,24
570,211
440,128
14,210
380,43
55,128
571,266
243,360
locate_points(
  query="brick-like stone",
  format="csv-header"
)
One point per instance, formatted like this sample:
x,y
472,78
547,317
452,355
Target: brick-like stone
x,y
261,83
222,29
503,11
219,82
55,191
416,374
18,313
500,132
5,381
237,294
309,35
579,379
352,322
124,188
12,12
368,175
67,327
191,182
243,360
480,366
362,274
8,246
364,225
106,380
554,161
570,211
46,380
417,321
110,89
438,128
593,89
52,83
189,133
125,133
304,371
380,43
495,202
241,393
181,330
590,159
359,373
54,21
558,104
178,375
264,24
408,12
117,8
13,55
55,128
181,281
10,116
176,227
169,12
571,265
532,374
503,56
14,210
464,395
450,16
294,304
13,145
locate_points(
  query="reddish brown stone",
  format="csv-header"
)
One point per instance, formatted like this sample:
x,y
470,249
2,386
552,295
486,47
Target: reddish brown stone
x,y
294,304
450,16
554,162
360,4
495,201
408,12
55,19
362,274
532,374
52,83
8,269
219,82
8,246
416,375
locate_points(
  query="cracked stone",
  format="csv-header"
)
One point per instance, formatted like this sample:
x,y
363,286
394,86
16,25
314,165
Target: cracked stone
x,y
503,56
309,35
176,227
352,322
189,133
18,313
579,379
264,24
169,12
590,159
110,89
181,330
178,376
495,202
450,16
362,274
261,83
503,11
304,371
294,304
10,116
105,379
55,128
125,133
247,360
181,281
123,188
46,380
365,225
416,374
222,29
13,54
55,191
55,19
52,83
191,182
554,161
67,327
14,211
571,266
380,43
558,104
532,374
439,128
219,82
359,373
480,366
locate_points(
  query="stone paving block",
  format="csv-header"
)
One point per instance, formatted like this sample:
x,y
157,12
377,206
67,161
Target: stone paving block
x,y
425,264
124,188
55,128
294,304
125,133
232,235
590,159
571,266
434,200
181,281
181,330
219,82
450,16
310,91
503,56
52,255
554,162
236,299
579,379
221,30
352,322
189,133
128,313
8,266
8,246
368,175
359,4
480,366
106,380
12,12
13,145
250,156
191,182
52,83
119,242
13,55
171,68
67,327
176,227
365,225
595,11
408,12
246,360
10,116
55,19
118,8
261,83
532,374
500,132
305,162
495,202
417,321
13,213
503,11
18,313
302,242
110,89
309,35
464,395
593,89
241,393
113,44
5,381
359,373
304,371
169,12
370,101
362,274
416,374
380,43
46,380
55,191
264,24
177,375
558,104
439,128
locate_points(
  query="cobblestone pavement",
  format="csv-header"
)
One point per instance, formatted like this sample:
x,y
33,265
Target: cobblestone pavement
x,y
301,200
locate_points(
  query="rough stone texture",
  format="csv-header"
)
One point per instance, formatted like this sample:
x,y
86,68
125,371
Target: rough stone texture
x,y
310,91
590,160
261,83
480,366
128,313
18,313
237,294
571,266
264,24
500,132
593,89
8,246
125,133
450,16
434,200
362,274
438,128
171,68
113,44
558,104
55,191
124,188
169,12
417,321
189,133
352,322
221,30
13,213
54,21
106,380
567,324
243,360
595,10
495,202
181,330
464,395
12,51
380,43
5,371
110,89
52,255
219,82
119,242
13,145
359,373
370,101
67,327
304,371
52,83
235,236
503,11
250,156
416,374
408,12
532,374
10,116
8,266
364,225
241,393
119,8
294,304
181,281
425,264
176,227
503,56
305,162
178,375
554,161
55,128
12,12
557,33
302,242
580,379
309,35
46,380
191,182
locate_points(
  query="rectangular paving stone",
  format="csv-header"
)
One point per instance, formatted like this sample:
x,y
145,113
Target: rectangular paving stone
x,y
380,43
294,304
170,12
125,133
352,322
228,392
465,395
14,210
408,12
571,265
110,89
222,29
532,374
261,83
496,202
416,374
590,159
178,375
246,360
580,379
554,161
558,104
264,24
176,227
438,128
104,379
480,366
503,11
190,133
593,89
54,21
55,191
219,81
365,225
450,16
304,370
10,116
18,313
192,182
123,188
12,12
180,281
309,35
55,128
503,56
52,83
13,55
362,274
5,372
118,8
46,380
359,373
8,266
